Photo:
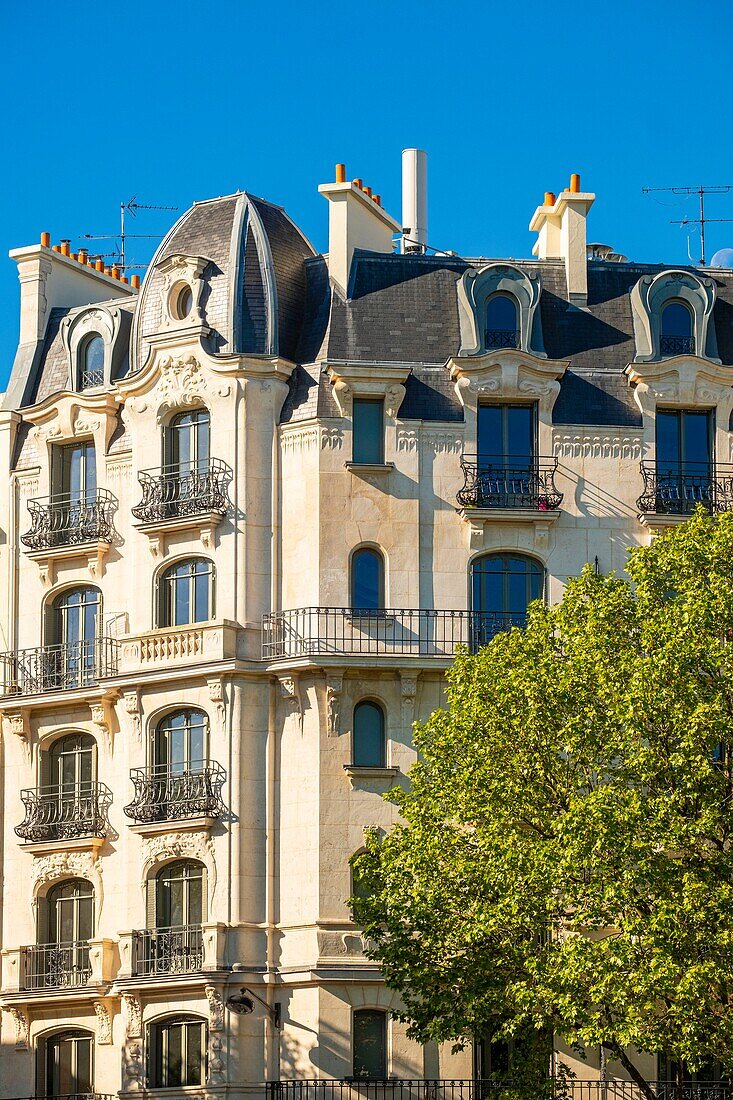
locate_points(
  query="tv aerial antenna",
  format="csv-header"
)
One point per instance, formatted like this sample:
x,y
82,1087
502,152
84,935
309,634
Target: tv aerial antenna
x,y
130,207
701,191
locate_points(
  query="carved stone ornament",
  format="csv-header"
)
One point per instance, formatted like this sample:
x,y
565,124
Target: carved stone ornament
x,y
131,703
393,398
133,1015
194,845
218,697
21,1020
18,723
58,865
132,1067
408,691
183,382
334,687
103,1012
290,690
216,1008
216,1062
101,711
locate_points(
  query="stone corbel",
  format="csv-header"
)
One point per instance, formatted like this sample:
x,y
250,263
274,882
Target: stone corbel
x,y
408,692
131,703
344,396
18,723
290,690
22,1022
132,1067
133,1016
393,398
216,1007
334,688
217,696
102,711
104,1011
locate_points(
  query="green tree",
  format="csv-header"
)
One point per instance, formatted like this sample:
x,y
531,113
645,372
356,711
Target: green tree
x,y
565,859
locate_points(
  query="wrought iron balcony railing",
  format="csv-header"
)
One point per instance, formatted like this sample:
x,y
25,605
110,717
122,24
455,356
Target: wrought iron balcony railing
x,y
501,338
58,667
676,345
57,965
677,488
70,520
394,1088
69,1096
167,793
186,489
168,950
499,481
65,811
320,631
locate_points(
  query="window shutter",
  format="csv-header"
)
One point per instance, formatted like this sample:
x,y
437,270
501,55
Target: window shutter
x,y
204,894
150,902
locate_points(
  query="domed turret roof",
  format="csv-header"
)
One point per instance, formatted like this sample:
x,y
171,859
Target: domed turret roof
x,y
255,280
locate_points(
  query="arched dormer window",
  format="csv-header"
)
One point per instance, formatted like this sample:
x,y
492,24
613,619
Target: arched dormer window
x,y
91,362
502,322
369,747
367,580
676,329
186,593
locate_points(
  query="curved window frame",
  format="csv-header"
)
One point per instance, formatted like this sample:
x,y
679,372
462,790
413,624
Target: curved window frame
x,y
487,620
55,773
169,874
361,757
49,913
677,343
376,601
187,441
495,336
91,376
168,594
83,1085
359,1059
160,1060
166,731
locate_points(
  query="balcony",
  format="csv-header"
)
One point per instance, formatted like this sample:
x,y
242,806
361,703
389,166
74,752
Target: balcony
x,y
65,812
64,667
164,793
676,489
168,951
676,345
394,1088
57,966
61,521
495,338
498,481
341,632
178,496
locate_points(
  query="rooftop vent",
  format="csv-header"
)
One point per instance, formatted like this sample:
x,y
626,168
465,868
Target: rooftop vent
x,y
605,252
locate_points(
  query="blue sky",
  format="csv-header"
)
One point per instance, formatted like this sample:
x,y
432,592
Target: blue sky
x,y
177,102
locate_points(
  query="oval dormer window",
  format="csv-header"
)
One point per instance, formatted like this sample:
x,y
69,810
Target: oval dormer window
x,y
676,330
502,323
181,301
92,362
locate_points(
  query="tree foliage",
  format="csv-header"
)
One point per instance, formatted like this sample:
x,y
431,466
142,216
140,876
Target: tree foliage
x,y
565,858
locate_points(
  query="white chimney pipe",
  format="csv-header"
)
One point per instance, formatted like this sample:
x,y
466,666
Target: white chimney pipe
x,y
414,200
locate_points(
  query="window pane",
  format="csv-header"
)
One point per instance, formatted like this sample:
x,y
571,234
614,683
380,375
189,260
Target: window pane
x,y
370,1044
366,582
181,611
202,586
368,736
519,433
368,431
490,441
668,438
194,1052
501,314
173,1063
676,320
696,438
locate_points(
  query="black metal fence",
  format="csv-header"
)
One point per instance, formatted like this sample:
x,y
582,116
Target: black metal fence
x,y
58,667
678,488
184,489
70,520
501,338
319,631
676,345
57,965
65,811
165,793
500,481
362,1088
169,950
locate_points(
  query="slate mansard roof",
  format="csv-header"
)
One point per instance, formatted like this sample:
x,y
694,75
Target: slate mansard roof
x,y
268,293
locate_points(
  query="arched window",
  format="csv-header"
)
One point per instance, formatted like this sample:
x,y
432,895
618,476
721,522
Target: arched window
x,y
67,1064
369,749
370,1043
502,322
502,586
71,658
676,329
91,362
179,894
69,764
367,580
187,440
66,925
66,804
177,1054
176,904
181,742
186,593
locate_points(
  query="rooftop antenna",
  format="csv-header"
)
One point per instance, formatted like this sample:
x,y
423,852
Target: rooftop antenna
x,y
131,206
701,191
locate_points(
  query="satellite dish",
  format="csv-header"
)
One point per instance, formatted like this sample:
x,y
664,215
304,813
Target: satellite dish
x,y
722,258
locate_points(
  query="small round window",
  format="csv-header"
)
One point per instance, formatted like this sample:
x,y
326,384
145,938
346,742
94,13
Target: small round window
x,y
181,301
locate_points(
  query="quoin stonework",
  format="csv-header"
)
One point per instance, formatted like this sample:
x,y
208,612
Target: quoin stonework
x,y
249,510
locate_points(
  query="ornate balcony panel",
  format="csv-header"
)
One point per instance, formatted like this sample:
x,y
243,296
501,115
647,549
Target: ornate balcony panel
x,y
677,489
501,338
57,965
65,812
168,951
395,1088
327,631
498,481
58,667
59,521
163,793
676,345
176,491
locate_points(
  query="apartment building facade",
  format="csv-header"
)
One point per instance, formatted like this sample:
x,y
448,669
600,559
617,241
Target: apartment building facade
x,y
249,510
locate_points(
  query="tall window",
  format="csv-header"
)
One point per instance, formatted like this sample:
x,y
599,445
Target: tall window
x,y
186,593
369,748
684,459
72,632
676,329
91,362
179,894
502,325
67,1064
74,472
69,912
187,442
367,580
178,1053
506,436
502,587
368,431
181,742
370,1043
